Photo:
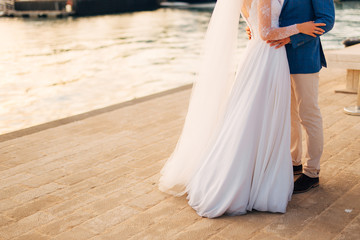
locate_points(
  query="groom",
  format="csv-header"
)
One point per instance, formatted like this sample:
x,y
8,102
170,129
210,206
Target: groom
x,y
306,58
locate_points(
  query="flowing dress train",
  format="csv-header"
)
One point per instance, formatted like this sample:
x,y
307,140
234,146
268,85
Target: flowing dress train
x,y
248,164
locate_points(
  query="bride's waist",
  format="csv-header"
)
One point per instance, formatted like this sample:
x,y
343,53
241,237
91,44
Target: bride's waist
x,y
262,45
258,41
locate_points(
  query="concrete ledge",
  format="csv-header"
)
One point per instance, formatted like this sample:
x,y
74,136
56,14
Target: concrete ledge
x,y
348,58
78,117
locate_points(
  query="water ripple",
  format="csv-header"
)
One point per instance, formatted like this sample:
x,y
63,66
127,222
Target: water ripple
x,y
55,68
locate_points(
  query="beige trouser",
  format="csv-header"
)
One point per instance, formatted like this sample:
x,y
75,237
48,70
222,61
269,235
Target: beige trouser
x,y
306,112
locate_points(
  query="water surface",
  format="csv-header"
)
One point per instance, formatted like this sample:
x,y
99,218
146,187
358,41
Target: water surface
x,y
56,68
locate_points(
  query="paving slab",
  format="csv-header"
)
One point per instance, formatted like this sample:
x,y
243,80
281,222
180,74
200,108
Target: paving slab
x,y
95,175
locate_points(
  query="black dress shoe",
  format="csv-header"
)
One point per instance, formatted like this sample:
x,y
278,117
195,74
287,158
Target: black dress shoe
x,y
297,170
305,183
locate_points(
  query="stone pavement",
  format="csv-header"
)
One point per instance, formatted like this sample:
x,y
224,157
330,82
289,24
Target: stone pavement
x,y
94,176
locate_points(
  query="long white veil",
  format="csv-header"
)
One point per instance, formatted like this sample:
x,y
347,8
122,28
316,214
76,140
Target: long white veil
x,y
208,99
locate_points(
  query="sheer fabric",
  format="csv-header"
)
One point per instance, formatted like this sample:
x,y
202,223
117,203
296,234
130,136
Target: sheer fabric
x,y
208,99
233,155
268,22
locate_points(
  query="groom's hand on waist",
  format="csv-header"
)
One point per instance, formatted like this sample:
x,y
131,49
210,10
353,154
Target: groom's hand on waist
x,y
279,43
248,31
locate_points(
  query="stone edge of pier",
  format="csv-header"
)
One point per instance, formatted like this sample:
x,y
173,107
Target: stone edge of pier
x,y
78,117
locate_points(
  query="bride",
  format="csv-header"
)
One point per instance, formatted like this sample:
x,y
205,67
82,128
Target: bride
x,y
233,155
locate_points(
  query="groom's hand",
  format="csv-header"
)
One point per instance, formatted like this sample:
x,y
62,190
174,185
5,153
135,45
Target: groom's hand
x,y
248,31
279,43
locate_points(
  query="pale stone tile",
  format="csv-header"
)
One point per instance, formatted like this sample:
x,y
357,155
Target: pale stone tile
x,y
303,207
216,237
114,174
144,220
13,190
247,225
45,178
76,233
3,168
141,188
111,201
78,189
16,179
351,231
5,221
202,229
37,192
119,184
25,225
32,236
65,224
109,219
266,236
168,227
148,200
78,177
32,207
67,207
142,174
7,203
98,237
335,218
116,163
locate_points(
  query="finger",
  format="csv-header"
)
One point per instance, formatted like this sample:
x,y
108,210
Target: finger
x,y
313,35
318,32
319,29
279,46
282,44
320,24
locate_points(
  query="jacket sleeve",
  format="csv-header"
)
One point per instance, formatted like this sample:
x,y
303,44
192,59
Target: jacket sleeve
x,y
324,12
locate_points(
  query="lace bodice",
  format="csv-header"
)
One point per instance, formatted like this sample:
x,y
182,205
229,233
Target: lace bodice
x,y
262,16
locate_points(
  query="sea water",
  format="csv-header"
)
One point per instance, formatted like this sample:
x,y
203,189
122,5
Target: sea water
x,y
55,68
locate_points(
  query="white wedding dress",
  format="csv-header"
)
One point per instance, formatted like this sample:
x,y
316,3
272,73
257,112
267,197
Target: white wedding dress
x,y
242,161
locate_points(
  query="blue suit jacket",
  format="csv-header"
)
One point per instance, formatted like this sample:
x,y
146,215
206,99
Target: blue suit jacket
x,y
305,53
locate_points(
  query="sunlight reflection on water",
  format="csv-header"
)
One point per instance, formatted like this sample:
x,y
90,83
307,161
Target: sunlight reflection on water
x,y
52,69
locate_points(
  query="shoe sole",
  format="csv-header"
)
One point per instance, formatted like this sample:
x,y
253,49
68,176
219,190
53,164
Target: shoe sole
x,y
313,186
